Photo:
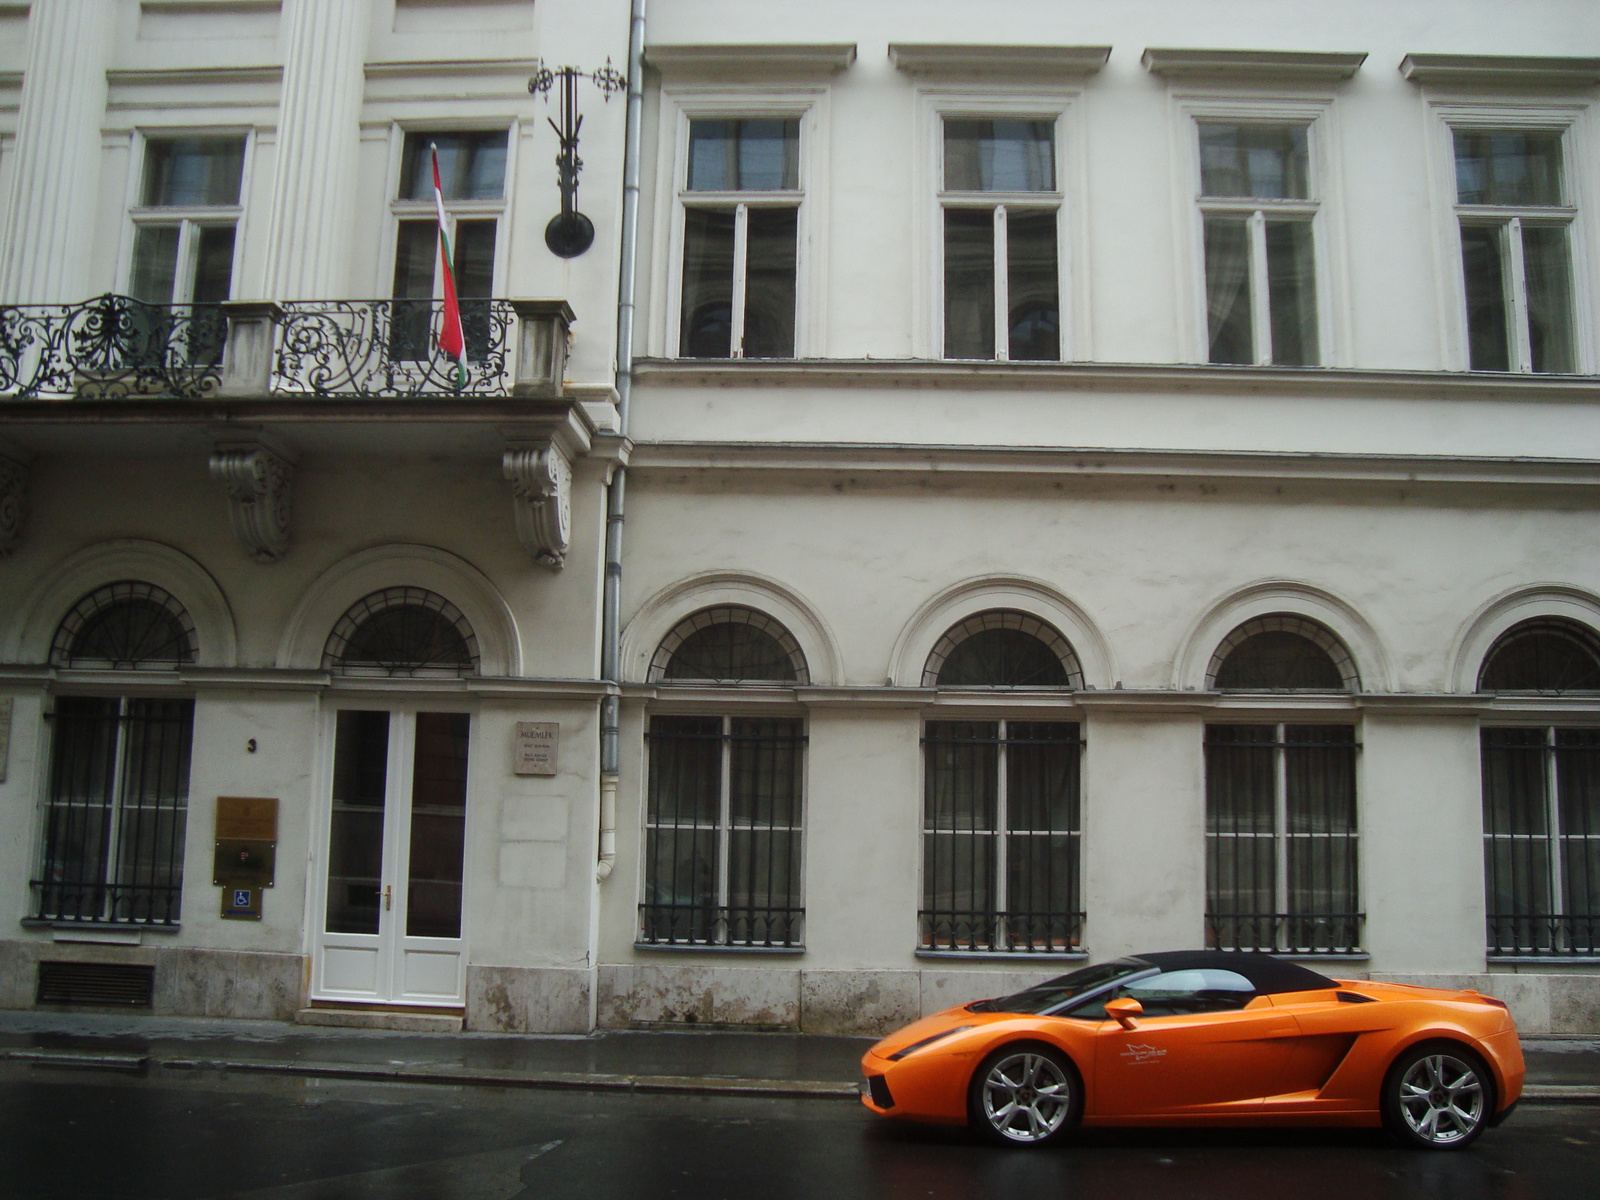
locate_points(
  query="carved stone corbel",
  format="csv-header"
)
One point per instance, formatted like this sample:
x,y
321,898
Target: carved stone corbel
x,y
541,490
13,498
258,477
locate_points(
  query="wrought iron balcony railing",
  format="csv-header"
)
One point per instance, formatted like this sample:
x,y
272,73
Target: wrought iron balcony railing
x,y
116,347
112,347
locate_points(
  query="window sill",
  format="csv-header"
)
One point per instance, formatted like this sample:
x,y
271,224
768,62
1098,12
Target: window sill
x,y
1006,955
1291,956
1546,960
693,948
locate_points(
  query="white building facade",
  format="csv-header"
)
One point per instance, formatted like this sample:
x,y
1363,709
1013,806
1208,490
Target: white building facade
x,y
1079,481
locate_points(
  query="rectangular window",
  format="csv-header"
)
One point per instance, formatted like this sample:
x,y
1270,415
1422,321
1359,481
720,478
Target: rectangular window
x,y
1541,840
723,832
118,801
1002,276
472,174
1001,837
1259,211
1516,259
741,238
1281,839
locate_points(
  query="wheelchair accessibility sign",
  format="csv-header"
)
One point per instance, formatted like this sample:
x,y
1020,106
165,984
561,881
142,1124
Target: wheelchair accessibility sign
x,y
241,903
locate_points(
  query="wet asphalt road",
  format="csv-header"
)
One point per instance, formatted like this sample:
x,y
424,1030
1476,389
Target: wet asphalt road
x,y
82,1135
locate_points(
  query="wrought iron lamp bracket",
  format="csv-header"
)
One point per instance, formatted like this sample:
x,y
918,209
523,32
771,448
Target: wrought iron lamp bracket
x,y
570,233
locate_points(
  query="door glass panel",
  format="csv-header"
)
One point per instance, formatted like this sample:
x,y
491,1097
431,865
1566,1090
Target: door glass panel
x,y
1488,348
1227,244
707,320
438,822
415,253
969,283
1544,253
1032,291
155,263
355,837
769,283
1292,293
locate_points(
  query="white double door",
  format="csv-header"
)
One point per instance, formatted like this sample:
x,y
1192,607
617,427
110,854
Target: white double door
x,y
389,925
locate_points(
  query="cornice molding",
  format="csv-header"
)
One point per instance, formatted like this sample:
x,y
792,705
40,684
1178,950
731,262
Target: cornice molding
x,y
1489,70
932,58
188,76
1106,462
409,68
1252,64
813,57
1195,378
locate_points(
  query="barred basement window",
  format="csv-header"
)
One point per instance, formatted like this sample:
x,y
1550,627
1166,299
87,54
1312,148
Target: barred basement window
x,y
1001,837
114,824
402,631
723,833
1282,849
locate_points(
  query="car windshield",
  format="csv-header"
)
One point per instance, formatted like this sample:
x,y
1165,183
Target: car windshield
x,y
1043,997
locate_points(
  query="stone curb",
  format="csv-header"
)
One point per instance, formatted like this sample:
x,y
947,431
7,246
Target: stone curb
x,y
813,1089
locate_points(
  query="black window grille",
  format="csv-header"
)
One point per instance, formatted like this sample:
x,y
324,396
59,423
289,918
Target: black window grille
x,y
1547,656
729,644
1282,846
723,832
1281,652
125,626
114,822
1002,648
402,631
1541,840
1001,837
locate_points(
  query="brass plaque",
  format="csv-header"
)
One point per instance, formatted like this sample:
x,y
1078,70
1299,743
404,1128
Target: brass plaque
x,y
244,862
252,817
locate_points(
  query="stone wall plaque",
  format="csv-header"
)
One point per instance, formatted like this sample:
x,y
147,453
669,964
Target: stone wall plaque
x,y
535,752
253,817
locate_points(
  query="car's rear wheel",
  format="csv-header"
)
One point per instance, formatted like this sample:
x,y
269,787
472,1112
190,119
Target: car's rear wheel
x,y
1438,1096
1025,1095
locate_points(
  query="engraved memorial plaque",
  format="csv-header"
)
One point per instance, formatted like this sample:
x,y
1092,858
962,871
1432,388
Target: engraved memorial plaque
x,y
536,748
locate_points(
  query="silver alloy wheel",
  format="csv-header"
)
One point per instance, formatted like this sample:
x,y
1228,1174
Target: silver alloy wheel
x,y
1026,1097
1442,1099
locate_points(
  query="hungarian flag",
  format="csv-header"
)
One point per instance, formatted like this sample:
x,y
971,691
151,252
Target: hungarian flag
x,y
451,339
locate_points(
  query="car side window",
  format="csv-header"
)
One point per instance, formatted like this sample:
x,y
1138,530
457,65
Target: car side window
x,y
1176,993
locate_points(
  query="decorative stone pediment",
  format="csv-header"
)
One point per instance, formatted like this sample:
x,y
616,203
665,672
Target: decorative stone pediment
x,y
541,490
258,476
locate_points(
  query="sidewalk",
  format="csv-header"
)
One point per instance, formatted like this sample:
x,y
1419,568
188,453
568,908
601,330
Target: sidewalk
x,y
1560,1071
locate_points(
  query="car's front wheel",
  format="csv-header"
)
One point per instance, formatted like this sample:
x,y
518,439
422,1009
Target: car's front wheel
x,y
1026,1095
1438,1096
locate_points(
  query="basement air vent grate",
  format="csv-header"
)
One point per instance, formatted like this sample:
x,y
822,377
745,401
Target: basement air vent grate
x,y
123,985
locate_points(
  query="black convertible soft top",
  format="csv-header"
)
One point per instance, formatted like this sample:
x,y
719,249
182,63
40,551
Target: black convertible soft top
x,y
1267,974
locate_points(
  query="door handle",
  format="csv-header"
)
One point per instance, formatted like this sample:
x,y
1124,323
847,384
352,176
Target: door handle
x,y
387,905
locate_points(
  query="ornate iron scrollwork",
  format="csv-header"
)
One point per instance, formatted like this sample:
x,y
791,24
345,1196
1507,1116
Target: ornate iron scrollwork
x,y
570,233
389,348
111,347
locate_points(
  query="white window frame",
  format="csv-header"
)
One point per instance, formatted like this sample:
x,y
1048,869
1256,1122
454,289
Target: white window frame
x,y
680,106
1581,189
190,219
1059,105
1321,210
455,210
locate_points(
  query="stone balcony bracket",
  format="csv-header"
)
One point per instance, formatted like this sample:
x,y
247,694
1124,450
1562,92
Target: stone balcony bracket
x,y
257,473
14,463
541,495
543,329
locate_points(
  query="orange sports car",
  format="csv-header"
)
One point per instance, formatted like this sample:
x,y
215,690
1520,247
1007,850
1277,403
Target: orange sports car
x,y
1205,1038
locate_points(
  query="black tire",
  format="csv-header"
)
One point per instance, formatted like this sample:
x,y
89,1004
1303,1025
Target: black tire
x,y
1438,1096
1025,1094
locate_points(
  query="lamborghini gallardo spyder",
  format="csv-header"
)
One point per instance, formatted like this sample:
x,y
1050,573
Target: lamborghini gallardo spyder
x,y
1205,1038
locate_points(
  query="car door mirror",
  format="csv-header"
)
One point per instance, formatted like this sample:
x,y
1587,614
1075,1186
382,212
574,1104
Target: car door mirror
x,y
1123,1010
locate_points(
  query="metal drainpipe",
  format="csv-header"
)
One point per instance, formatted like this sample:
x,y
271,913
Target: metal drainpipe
x,y
611,611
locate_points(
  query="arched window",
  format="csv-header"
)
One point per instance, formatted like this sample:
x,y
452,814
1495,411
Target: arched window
x,y
725,796
1282,653
402,631
1002,648
729,644
1547,655
119,766
126,626
1282,849
1541,798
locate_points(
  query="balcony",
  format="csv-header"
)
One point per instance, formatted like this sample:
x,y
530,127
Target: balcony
x,y
118,348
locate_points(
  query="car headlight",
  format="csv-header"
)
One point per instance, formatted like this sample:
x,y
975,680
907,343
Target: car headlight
x,y
927,1041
